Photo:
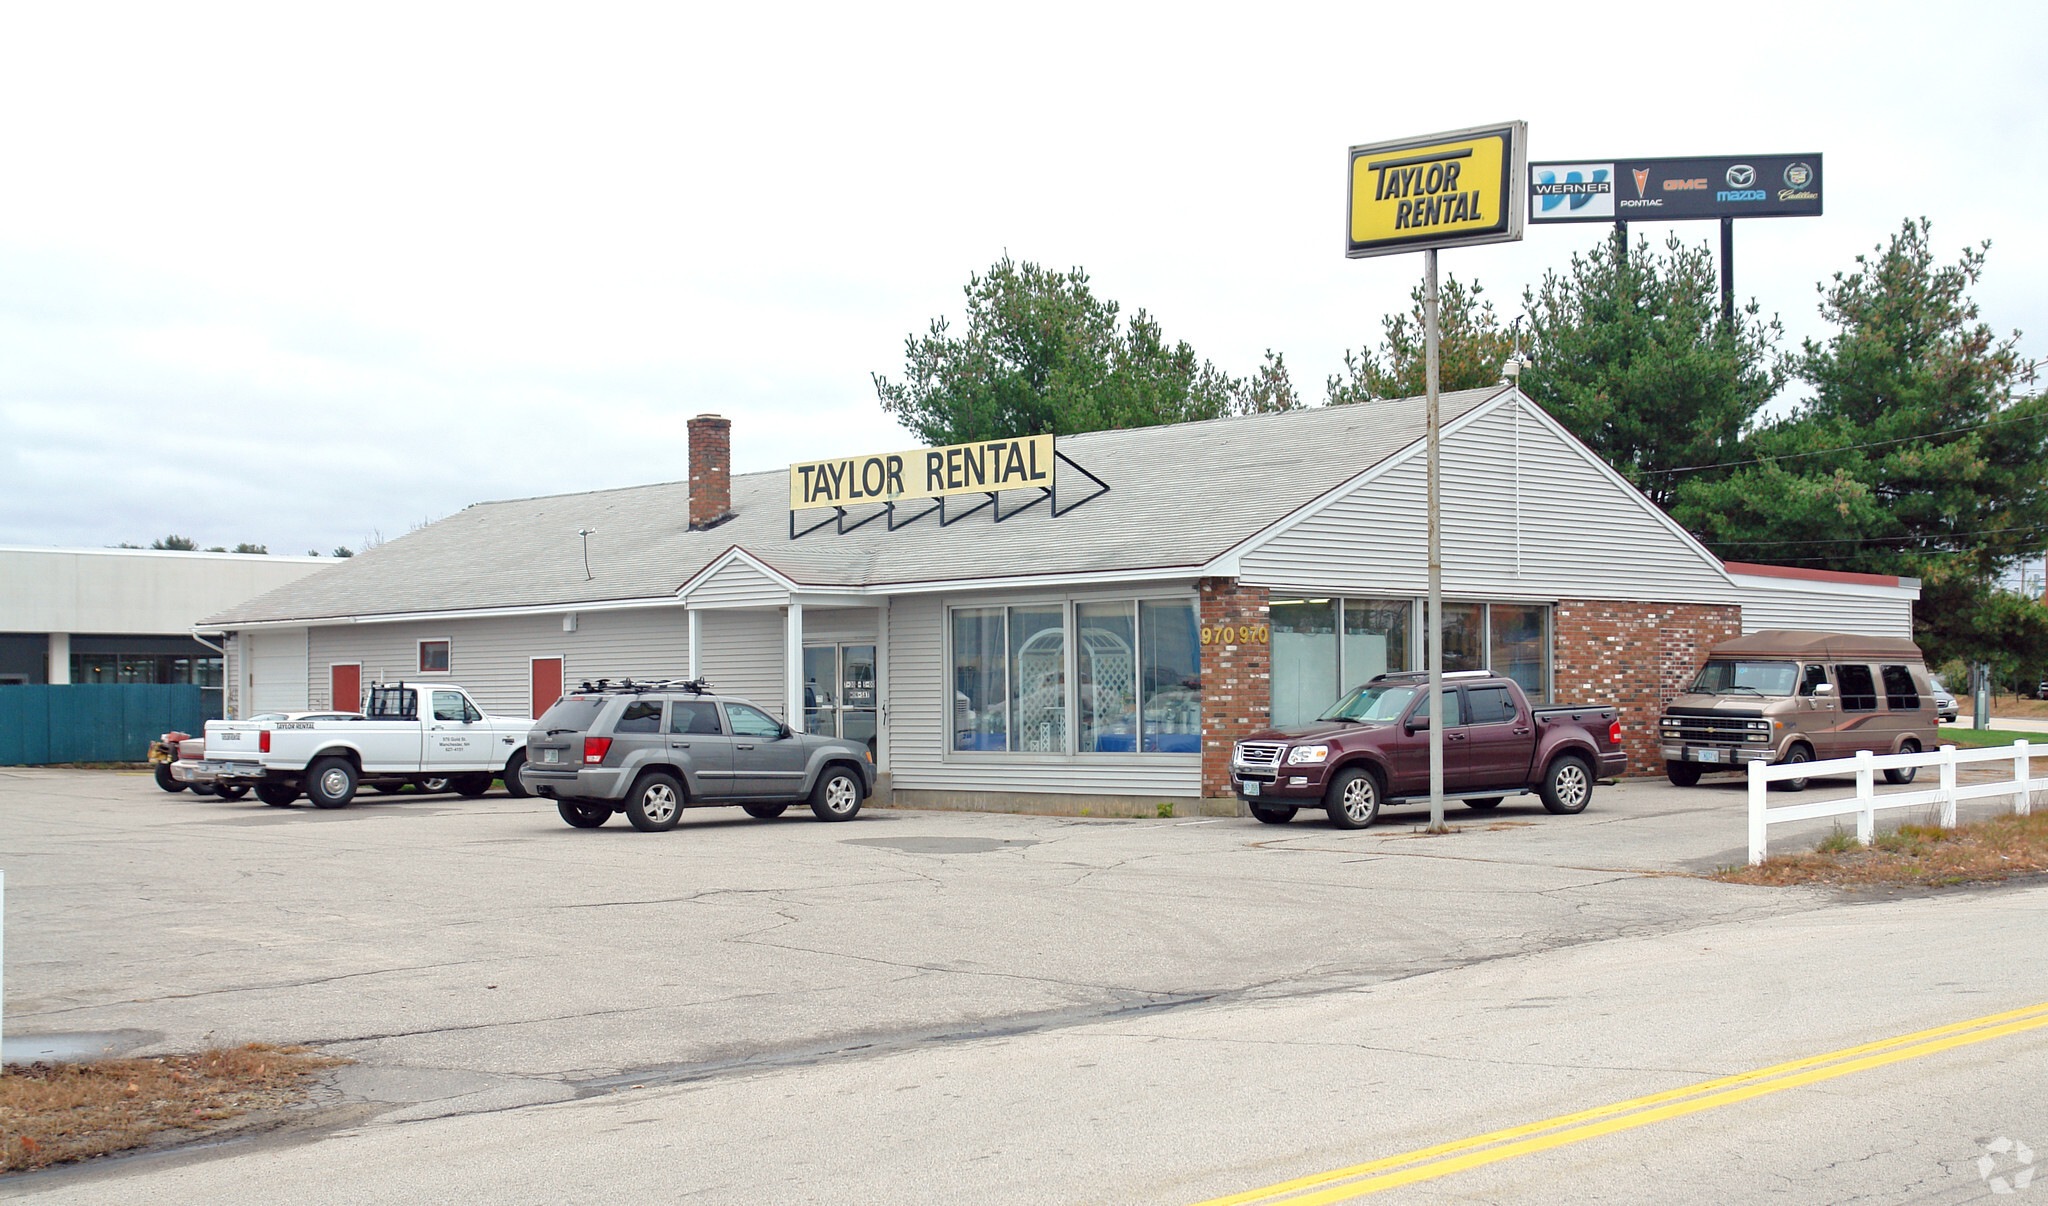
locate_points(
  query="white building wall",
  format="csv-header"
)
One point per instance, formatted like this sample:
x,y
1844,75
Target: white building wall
x,y
921,707
275,671
738,584
1773,603
743,656
138,592
1526,515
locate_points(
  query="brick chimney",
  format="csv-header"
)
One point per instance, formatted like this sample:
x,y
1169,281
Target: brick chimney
x,y
710,471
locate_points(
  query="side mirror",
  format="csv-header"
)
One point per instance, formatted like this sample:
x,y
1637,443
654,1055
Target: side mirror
x,y
786,732
1417,724
1824,689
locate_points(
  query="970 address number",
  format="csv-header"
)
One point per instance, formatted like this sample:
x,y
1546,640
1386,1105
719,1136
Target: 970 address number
x,y
1236,634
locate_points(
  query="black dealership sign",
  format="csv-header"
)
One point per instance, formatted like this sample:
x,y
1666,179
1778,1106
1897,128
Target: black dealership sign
x,y
1675,190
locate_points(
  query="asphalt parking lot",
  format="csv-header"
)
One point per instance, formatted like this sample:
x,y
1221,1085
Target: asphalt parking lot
x,y
484,963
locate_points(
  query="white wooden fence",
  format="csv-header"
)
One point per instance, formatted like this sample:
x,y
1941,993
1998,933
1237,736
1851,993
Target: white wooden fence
x,y
1866,803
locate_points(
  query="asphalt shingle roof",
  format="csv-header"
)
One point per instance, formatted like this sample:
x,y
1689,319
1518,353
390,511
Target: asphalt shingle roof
x,y
1179,496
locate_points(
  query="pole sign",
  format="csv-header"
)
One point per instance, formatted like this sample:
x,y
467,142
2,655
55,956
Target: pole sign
x,y
1444,190
1675,190
979,468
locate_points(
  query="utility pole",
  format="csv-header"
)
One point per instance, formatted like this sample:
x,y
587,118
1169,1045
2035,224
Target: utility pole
x,y
1432,433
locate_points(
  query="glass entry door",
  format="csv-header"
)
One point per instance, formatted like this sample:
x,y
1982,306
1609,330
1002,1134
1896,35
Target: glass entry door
x,y
840,698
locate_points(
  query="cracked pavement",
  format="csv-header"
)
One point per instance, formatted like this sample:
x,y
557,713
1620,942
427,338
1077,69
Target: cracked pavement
x,y
1077,1010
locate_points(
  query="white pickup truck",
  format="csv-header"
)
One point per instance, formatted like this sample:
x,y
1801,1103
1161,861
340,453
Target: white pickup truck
x,y
408,733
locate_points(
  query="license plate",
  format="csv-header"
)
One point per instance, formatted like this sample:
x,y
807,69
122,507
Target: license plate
x,y
551,755
1706,755
229,735
1251,787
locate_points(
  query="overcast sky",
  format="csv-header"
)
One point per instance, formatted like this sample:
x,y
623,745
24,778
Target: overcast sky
x,y
294,275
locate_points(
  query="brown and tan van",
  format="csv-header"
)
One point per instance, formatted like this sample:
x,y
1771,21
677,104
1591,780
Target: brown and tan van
x,y
1790,697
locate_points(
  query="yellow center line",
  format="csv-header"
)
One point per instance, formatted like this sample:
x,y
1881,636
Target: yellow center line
x,y
1444,1158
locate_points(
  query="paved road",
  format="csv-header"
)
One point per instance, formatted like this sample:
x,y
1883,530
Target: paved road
x,y
939,1007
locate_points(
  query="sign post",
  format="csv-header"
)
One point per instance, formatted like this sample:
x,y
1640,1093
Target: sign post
x,y
1457,189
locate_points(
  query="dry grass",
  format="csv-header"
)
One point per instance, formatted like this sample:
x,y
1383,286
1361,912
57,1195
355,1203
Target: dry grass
x,y
1912,856
54,1113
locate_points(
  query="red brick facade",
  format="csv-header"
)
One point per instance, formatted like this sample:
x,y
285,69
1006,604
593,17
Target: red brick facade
x,y
710,470
1637,656
1237,673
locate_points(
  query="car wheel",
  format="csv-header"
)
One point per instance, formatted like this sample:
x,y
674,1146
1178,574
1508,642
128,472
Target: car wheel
x,y
1273,816
1903,774
432,784
331,783
277,795
583,816
203,789
387,788
1354,799
1485,803
513,765
230,791
164,779
656,803
1682,774
1793,757
471,786
837,795
1567,785
766,812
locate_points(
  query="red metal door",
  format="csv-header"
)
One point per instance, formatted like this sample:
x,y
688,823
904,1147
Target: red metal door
x,y
547,683
345,687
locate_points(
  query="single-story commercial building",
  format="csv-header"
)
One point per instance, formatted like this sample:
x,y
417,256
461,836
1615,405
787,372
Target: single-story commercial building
x,y
124,615
1100,644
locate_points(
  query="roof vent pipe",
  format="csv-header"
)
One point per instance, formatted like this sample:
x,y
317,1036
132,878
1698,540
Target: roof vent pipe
x,y
710,471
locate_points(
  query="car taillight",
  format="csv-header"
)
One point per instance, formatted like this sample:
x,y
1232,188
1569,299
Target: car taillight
x,y
263,742
594,748
1614,733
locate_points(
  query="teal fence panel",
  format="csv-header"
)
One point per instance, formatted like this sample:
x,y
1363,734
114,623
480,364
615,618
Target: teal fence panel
x,y
95,722
24,725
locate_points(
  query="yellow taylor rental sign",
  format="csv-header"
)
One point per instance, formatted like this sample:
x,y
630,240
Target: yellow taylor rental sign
x,y
978,468
1446,190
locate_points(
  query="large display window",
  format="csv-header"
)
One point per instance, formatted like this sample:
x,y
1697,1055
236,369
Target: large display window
x,y
1108,676
1325,647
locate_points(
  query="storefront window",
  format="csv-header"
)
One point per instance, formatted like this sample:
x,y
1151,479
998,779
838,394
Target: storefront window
x,y
1304,659
1038,679
145,668
980,684
1106,665
1464,637
1375,638
1519,646
1137,678
1170,643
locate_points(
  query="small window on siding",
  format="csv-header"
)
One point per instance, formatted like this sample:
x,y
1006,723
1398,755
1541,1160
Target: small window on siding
x,y
433,657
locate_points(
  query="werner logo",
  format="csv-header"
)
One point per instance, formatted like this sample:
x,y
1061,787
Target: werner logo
x,y
1573,190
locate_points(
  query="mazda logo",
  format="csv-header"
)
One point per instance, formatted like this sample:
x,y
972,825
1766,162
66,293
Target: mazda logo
x,y
1741,176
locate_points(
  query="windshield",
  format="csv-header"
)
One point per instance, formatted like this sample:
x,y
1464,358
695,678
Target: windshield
x,y
1729,677
571,714
1381,702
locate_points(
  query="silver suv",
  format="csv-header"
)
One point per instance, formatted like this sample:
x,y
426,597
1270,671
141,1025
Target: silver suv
x,y
650,750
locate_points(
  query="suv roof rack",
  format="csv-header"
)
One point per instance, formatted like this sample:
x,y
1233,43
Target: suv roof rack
x,y
626,686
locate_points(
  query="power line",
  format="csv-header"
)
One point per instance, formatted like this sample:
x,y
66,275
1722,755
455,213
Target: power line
x,y
1793,456
2036,527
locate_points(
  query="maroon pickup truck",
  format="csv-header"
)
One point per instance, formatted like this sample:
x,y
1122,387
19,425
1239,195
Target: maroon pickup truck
x,y
1373,748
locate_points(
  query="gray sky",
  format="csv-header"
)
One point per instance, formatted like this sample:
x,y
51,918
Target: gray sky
x,y
292,276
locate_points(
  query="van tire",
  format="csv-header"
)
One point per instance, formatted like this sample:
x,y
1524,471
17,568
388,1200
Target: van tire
x,y
513,765
1793,757
1567,785
1903,774
1682,774
1354,797
655,804
331,783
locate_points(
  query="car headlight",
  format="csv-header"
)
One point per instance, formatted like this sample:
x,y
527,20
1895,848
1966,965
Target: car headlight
x,y
1308,753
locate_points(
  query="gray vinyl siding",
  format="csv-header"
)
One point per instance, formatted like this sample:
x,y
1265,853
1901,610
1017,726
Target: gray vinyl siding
x,y
921,691
743,657
737,584
492,658
231,676
1579,534
1785,606
840,625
